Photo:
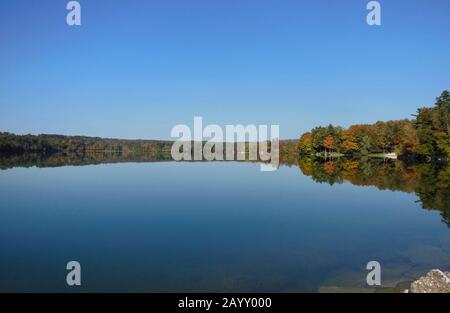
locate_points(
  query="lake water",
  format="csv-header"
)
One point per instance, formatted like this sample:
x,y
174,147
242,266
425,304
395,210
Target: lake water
x,y
207,227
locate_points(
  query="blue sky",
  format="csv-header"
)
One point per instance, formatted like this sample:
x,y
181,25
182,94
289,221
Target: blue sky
x,y
134,69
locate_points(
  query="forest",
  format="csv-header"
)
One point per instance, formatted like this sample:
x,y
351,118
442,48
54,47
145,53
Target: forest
x,y
426,137
49,144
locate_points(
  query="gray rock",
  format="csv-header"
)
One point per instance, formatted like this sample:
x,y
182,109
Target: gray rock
x,y
435,281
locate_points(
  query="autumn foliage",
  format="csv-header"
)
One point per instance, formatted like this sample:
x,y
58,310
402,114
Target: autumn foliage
x,y
428,136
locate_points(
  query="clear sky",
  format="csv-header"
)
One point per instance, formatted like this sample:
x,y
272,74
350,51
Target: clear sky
x,y
134,69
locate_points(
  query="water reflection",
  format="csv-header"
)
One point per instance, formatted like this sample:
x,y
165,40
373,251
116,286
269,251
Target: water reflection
x,y
430,182
221,226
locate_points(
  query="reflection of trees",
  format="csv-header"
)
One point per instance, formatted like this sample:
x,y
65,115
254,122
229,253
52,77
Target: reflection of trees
x,y
431,182
434,190
129,151
86,158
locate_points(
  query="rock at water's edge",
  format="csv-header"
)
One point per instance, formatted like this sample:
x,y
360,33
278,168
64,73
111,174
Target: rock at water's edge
x,y
436,281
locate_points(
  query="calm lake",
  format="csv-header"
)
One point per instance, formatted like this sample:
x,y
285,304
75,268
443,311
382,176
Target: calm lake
x,y
215,227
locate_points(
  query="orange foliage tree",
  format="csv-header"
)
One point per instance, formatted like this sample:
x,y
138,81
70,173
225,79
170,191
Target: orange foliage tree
x,y
328,143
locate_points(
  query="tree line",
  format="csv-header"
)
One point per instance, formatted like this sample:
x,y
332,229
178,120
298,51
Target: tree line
x,y
427,136
17,144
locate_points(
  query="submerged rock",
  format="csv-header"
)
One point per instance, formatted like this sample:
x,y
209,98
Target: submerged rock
x,y
436,281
